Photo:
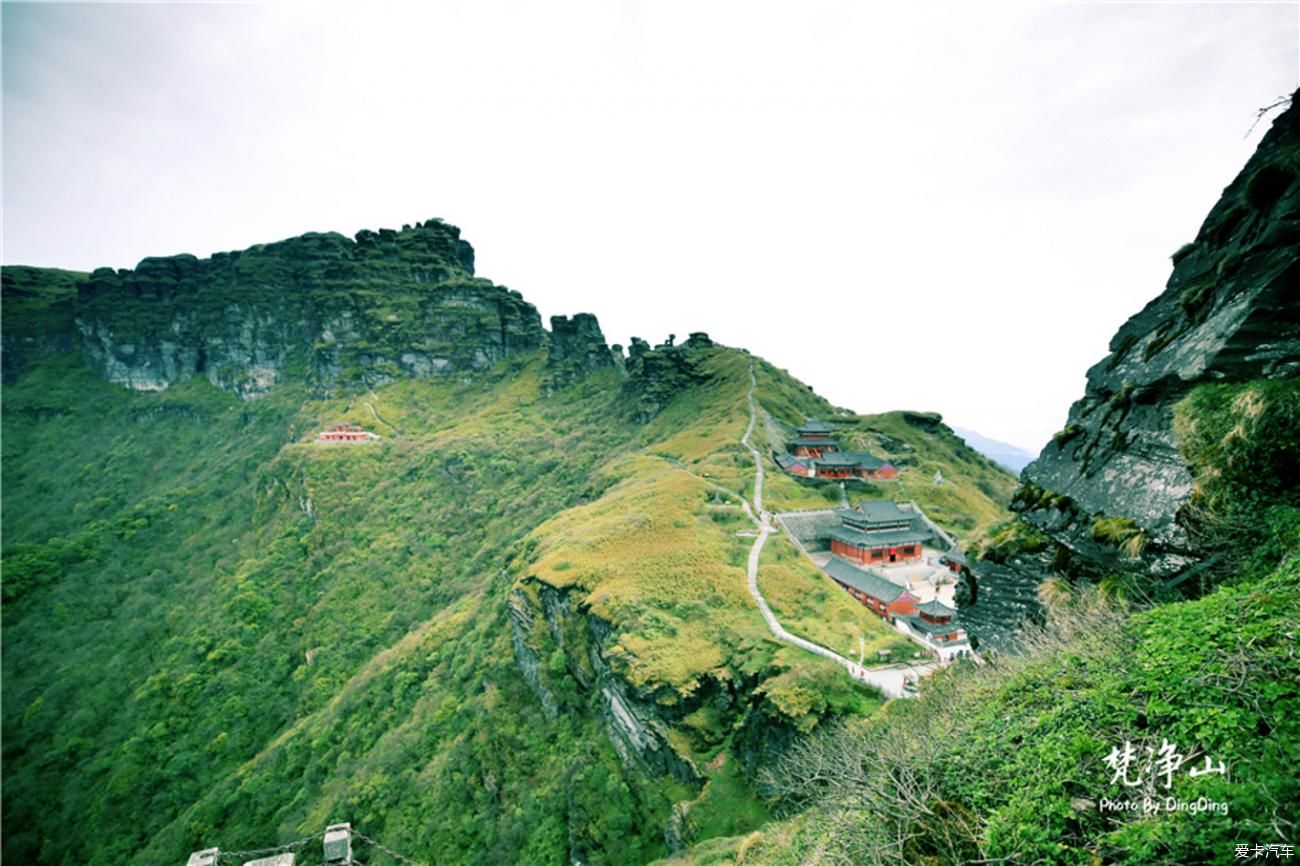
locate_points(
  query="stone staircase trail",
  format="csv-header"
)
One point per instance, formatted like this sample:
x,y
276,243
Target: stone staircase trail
x,y
889,679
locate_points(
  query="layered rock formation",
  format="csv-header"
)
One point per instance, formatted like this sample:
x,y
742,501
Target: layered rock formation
x,y
332,310
384,305
1229,313
656,375
576,348
545,621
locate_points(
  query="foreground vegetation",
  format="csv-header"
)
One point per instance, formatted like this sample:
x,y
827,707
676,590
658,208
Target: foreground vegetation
x,y
1007,762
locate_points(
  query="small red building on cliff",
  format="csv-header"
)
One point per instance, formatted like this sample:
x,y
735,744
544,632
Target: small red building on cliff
x,y
346,433
812,439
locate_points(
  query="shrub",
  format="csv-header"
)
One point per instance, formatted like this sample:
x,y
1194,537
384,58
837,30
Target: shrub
x,y
1183,252
1070,431
1122,533
1241,443
1015,537
1195,300
1004,762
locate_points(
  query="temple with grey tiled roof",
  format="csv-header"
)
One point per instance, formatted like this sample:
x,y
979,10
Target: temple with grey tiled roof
x,y
822,458
935,626
814,428
877,532
813,453
806,447
936,611
852,464
871,515
812,439
795,466
885,597
954,560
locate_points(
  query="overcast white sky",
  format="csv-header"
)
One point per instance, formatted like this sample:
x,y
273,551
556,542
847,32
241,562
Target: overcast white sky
x,y
937,206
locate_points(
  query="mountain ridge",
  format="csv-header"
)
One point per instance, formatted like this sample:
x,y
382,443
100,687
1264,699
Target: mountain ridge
x,y
340,620
516,627
1012,457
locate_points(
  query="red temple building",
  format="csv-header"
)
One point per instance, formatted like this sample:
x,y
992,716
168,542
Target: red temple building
x,y
872,468
878,532
854,464
812,447
812,439
836,464
346,433
888,600
814,454
936,628
954,560
795,466
814,428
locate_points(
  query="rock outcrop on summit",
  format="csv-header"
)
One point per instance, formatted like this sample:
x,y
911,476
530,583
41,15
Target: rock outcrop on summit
x,y
385,305
334,311
577,347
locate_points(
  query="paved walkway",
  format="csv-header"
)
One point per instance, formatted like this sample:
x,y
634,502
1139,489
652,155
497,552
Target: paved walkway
x,y
371,407
889,679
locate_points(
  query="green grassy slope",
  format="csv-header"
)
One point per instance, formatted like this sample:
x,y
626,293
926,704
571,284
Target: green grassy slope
x,y
663,540
658,557
205,621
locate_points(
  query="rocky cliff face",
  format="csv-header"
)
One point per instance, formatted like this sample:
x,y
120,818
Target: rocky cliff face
x,y
385,305
545,624
339,312
656,375
1229,313
576,348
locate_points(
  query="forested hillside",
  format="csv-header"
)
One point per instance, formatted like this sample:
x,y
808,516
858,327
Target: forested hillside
x,y
220,632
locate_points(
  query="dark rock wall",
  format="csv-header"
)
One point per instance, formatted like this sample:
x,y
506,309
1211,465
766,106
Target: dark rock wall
x,y
637,725
657,375
1230,312
577,347
386,305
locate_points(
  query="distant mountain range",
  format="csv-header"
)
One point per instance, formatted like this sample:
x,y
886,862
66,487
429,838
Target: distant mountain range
x,y
1005,454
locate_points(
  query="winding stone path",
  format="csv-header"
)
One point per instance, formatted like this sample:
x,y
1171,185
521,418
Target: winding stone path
x,y
890,680
371,407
